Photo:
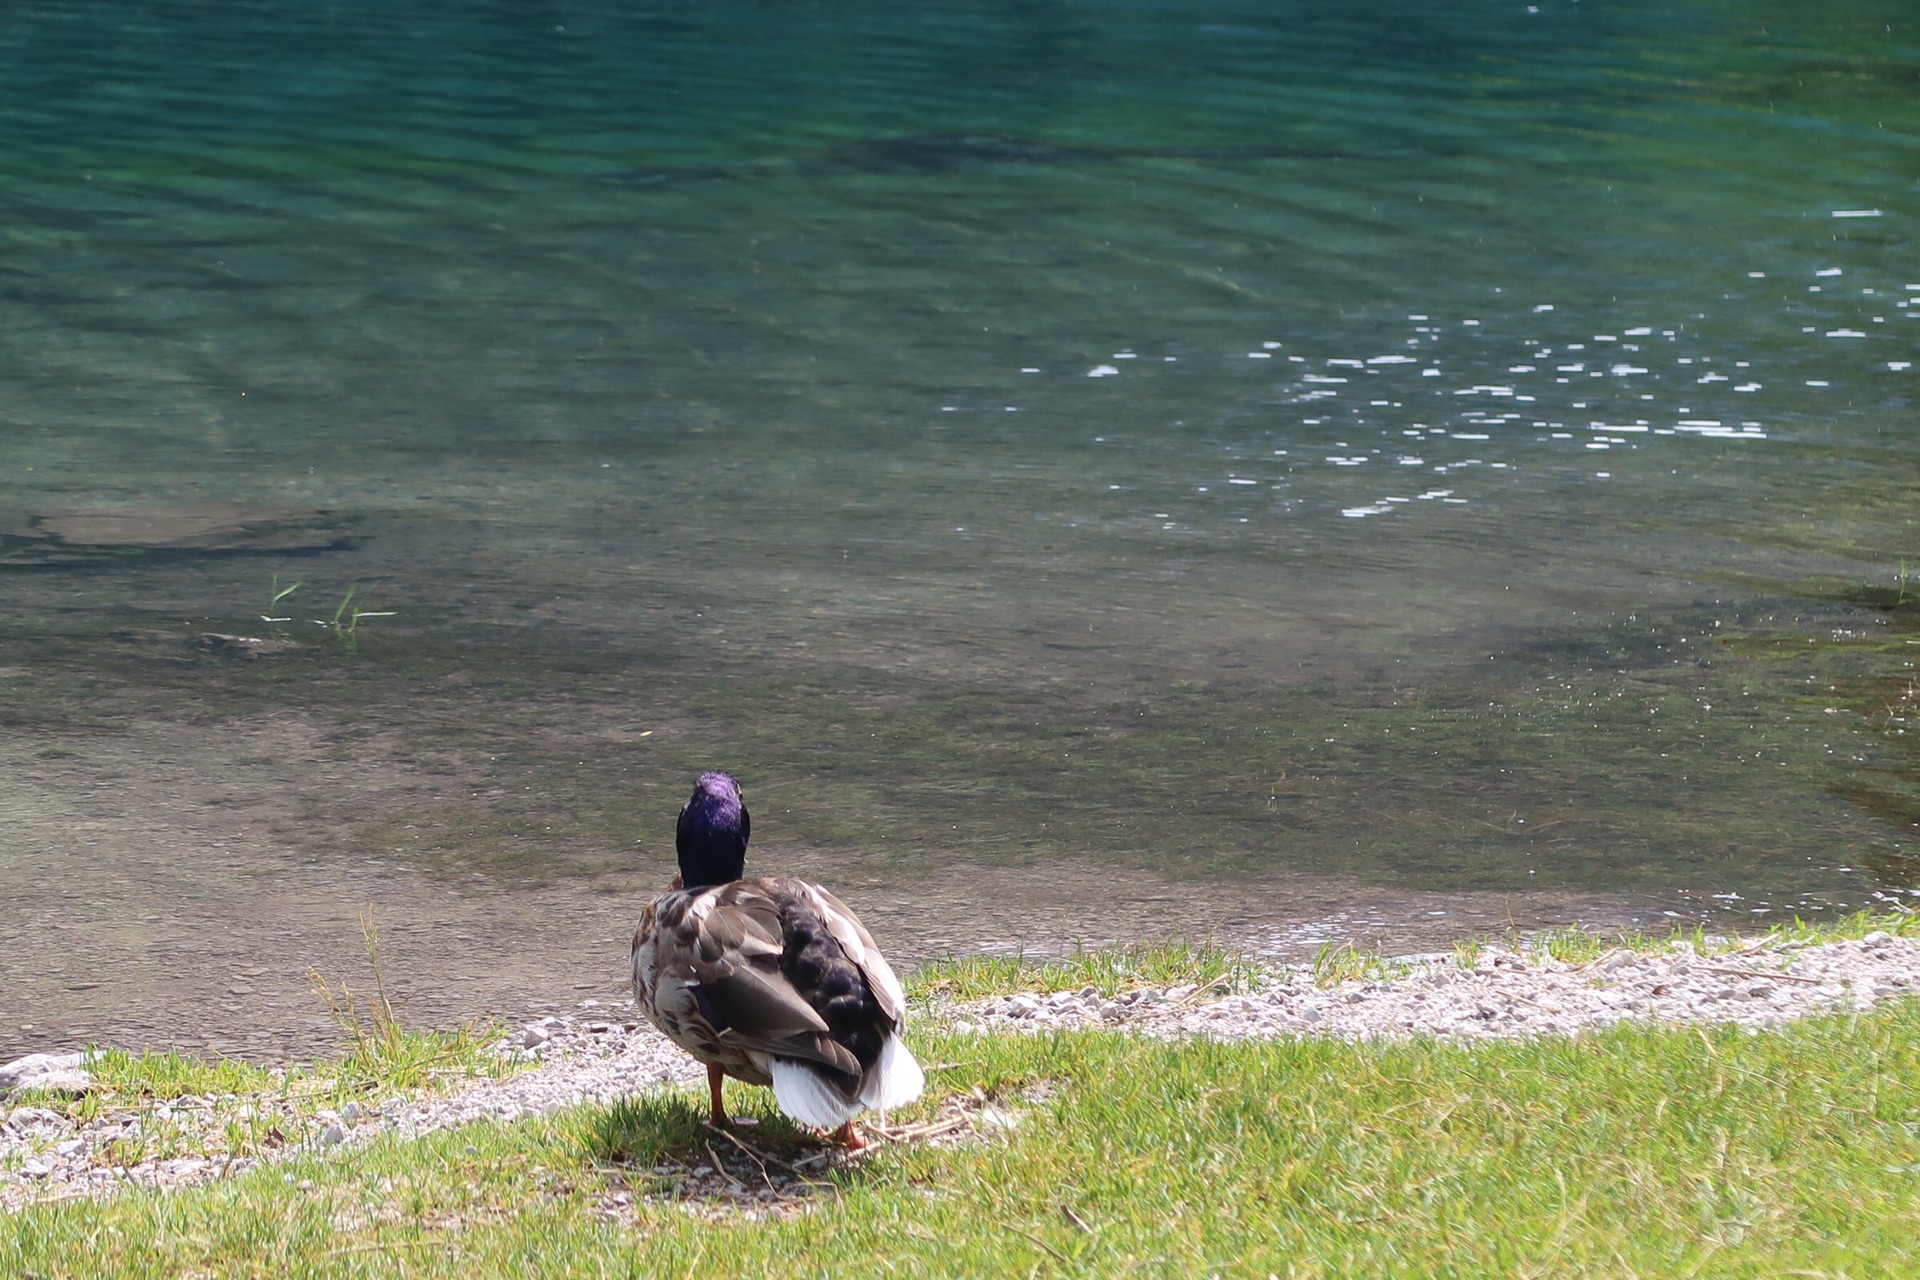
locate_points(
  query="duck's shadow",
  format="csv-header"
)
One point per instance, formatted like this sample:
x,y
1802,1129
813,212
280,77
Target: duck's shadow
x,y
663,1149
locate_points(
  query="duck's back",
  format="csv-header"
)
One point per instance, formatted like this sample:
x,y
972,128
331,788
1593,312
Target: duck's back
x,y
770,967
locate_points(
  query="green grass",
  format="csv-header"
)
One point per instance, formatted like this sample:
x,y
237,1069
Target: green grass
x,y
122,1078
236,1108
1901,924
1571,945
1639,1151
1576,945
1339,962
381,1053
1203,966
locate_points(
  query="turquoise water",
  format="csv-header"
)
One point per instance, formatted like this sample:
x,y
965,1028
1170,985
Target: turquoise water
x,y
1213,440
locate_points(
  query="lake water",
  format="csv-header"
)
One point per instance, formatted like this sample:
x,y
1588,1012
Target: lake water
x,y
1280,472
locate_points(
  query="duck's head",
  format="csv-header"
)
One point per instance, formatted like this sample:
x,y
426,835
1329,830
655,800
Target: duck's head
x,y
712,833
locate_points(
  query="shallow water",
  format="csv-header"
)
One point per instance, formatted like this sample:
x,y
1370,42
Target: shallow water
x,y
1319,468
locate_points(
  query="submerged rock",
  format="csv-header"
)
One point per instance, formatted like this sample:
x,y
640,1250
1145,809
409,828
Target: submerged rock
x,y
85,535
250,646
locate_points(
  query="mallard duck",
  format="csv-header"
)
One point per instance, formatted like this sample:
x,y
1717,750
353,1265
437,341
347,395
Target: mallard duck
x,y
770,980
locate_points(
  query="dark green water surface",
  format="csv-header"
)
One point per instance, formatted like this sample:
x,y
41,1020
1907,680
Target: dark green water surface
x,y
1465,450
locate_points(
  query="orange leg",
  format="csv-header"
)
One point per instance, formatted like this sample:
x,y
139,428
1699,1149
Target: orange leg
x,y
846,1137
714,1077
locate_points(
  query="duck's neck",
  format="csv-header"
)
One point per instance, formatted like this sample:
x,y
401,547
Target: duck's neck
x,y
704,868
712,849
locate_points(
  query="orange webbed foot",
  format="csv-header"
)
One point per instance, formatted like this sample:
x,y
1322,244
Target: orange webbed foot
x,y
848,1137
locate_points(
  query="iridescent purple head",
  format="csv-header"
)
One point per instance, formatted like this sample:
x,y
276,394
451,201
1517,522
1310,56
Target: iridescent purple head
x,y
712,833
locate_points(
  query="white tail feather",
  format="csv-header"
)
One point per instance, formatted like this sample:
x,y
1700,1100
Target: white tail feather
x,y
804,1096
896,1079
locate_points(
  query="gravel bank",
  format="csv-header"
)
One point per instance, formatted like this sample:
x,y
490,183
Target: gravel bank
x,y
1503,994
575,1060
600,1054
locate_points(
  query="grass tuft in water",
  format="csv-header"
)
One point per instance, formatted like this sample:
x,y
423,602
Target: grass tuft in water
x,y
346,619
275,594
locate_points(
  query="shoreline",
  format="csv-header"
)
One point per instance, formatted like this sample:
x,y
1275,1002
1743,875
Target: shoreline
x,y
602,1053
